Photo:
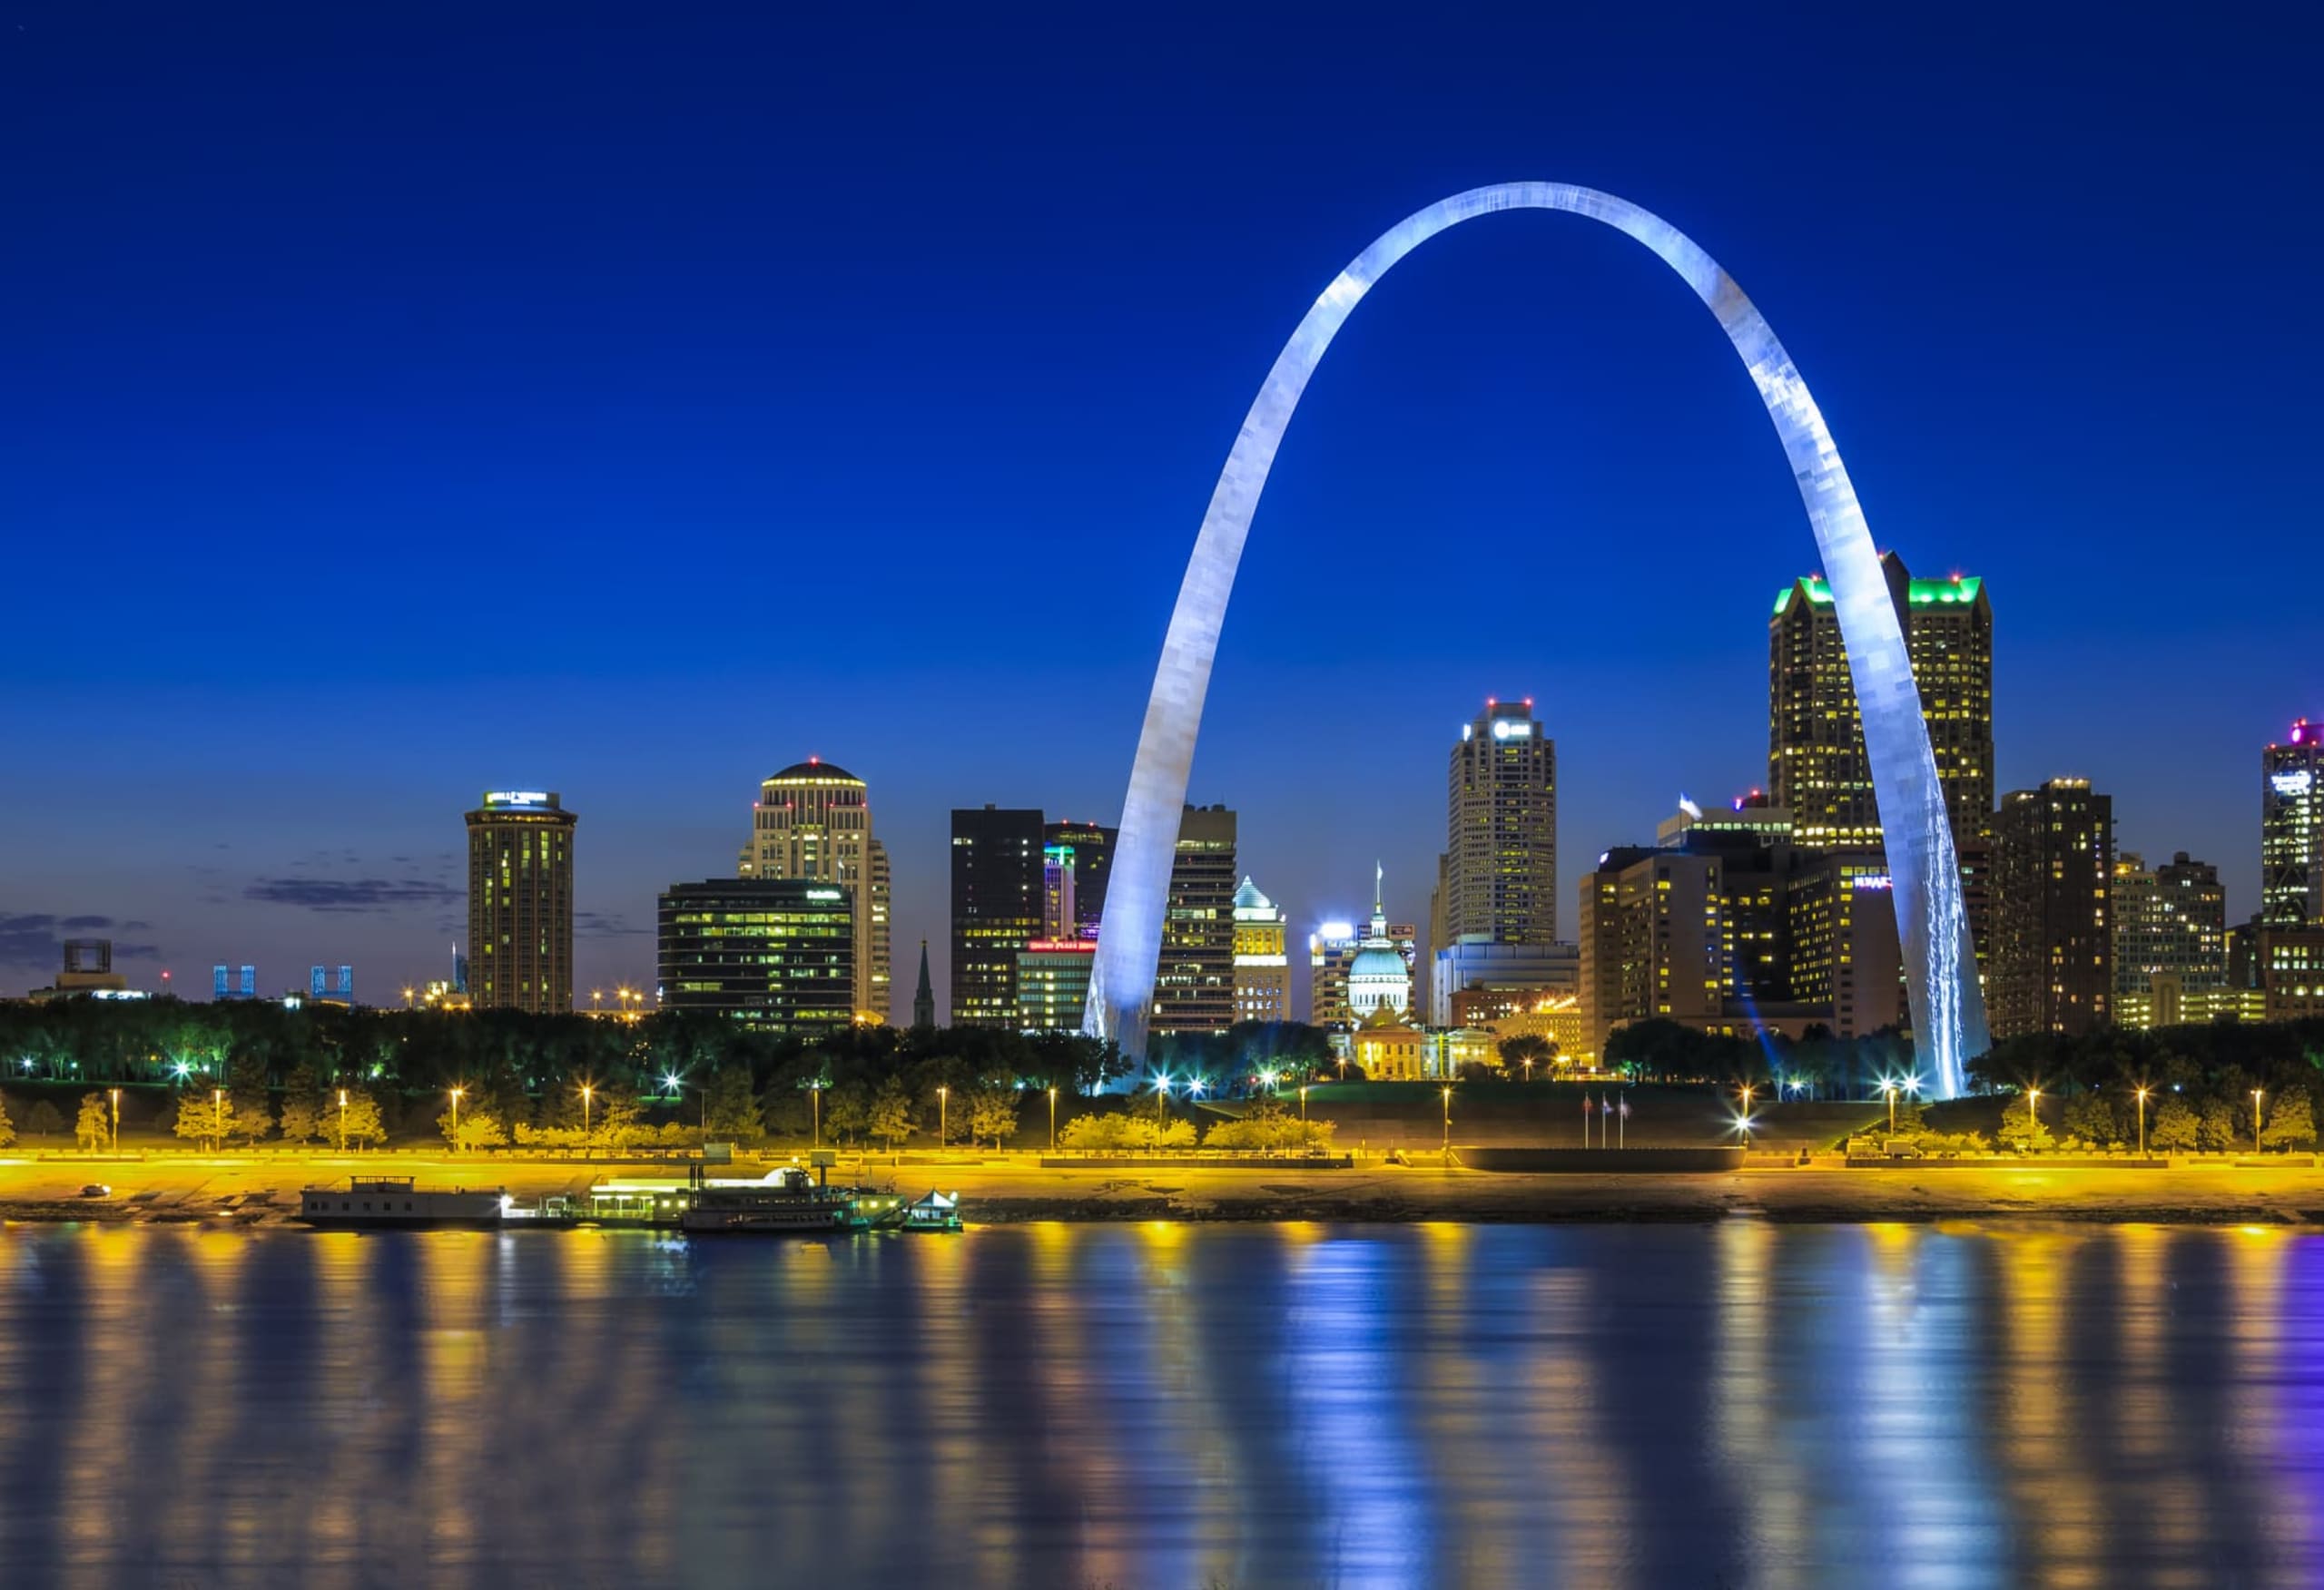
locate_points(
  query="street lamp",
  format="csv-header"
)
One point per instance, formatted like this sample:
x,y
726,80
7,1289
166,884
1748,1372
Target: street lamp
x,y
457,1093
1448,1121
217,1119
1162,1100
944,1115
2033,1116
2255,1120
1888,1086
407,998
2141,1096
1529,1068
116,1118
586,1092
815,1104
1303,1102
343,1120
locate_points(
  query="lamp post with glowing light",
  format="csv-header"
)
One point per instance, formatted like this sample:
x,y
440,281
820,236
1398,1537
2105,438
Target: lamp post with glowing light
x,y
217,1119
116,1118
815,1103
1888,1086
588,1090
1162,1101
1052,1120
1447,1122
2033,1117
456,1094
2255,1120
1302,1103
944,1115
2141,1096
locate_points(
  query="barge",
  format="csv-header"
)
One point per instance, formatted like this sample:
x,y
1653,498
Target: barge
x,y
394,1200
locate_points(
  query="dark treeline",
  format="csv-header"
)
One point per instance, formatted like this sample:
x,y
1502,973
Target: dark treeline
x,y
519,1069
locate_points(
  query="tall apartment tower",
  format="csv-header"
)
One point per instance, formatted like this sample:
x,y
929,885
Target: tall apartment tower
x,y
1262,957
1497,880
997,909
2051,965
1816,767
1193,984
520,902
2291,828
812,823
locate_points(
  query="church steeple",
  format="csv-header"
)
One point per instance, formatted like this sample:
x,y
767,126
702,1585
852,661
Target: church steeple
x,y
923,998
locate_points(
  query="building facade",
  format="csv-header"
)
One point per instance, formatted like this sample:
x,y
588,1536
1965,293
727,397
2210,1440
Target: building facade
x,y
998,854
2170,937
520,902
771,953
1330,949
1262,957
2050,967
1053,984
1518,975
2291,828
812,823
1725,930
1193,984
1817,765
1497,878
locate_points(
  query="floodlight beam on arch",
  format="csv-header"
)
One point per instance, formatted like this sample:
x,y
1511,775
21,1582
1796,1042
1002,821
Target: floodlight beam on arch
x,y
1948,1012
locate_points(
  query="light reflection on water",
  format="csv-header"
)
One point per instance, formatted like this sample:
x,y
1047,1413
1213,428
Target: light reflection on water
x,y
1167,1406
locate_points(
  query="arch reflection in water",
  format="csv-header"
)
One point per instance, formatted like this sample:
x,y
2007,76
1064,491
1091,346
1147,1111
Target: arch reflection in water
x,y
1359,1406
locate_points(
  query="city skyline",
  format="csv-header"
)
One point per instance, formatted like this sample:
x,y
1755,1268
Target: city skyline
x,y
175,439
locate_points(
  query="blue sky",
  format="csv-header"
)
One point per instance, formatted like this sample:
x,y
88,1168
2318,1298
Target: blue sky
x,y
403,402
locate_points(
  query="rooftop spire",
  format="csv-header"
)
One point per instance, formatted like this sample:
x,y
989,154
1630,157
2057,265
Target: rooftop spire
x,y
923,997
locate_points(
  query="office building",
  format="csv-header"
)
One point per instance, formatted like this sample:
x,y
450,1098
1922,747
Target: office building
x,y
812,823
2169,938
1052,984
1330,949
2051,965
1509,976
2291,828
1497,878
1728,928
997,853
1262,958
1194,986
771,953
520,902
1817,765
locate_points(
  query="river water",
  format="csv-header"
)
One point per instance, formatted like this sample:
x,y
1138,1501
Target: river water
x,y
1165,1405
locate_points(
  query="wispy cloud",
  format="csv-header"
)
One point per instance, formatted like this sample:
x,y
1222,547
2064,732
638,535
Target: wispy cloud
x,y
37,938
347,896
603,925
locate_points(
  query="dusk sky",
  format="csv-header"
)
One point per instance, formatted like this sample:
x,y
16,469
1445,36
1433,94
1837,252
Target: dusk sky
x,y
401,402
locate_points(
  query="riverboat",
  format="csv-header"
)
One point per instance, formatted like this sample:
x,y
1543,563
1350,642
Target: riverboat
x,y
394,1200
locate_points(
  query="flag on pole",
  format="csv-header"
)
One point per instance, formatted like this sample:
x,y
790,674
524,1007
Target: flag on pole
x,y
1588,1109
1626,1106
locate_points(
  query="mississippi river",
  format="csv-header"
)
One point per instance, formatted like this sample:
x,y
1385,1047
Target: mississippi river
x,y
1730,1404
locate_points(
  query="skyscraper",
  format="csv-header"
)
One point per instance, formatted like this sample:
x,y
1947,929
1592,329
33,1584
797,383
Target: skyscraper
x,y
813,821
1074,858
771,953
2051,965
1816,767
2291,828
1497,880
997,900
1330,949
1194,989
1262,960
520,902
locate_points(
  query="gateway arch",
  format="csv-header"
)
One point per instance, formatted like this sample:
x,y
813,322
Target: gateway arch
x,y
1947,1009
